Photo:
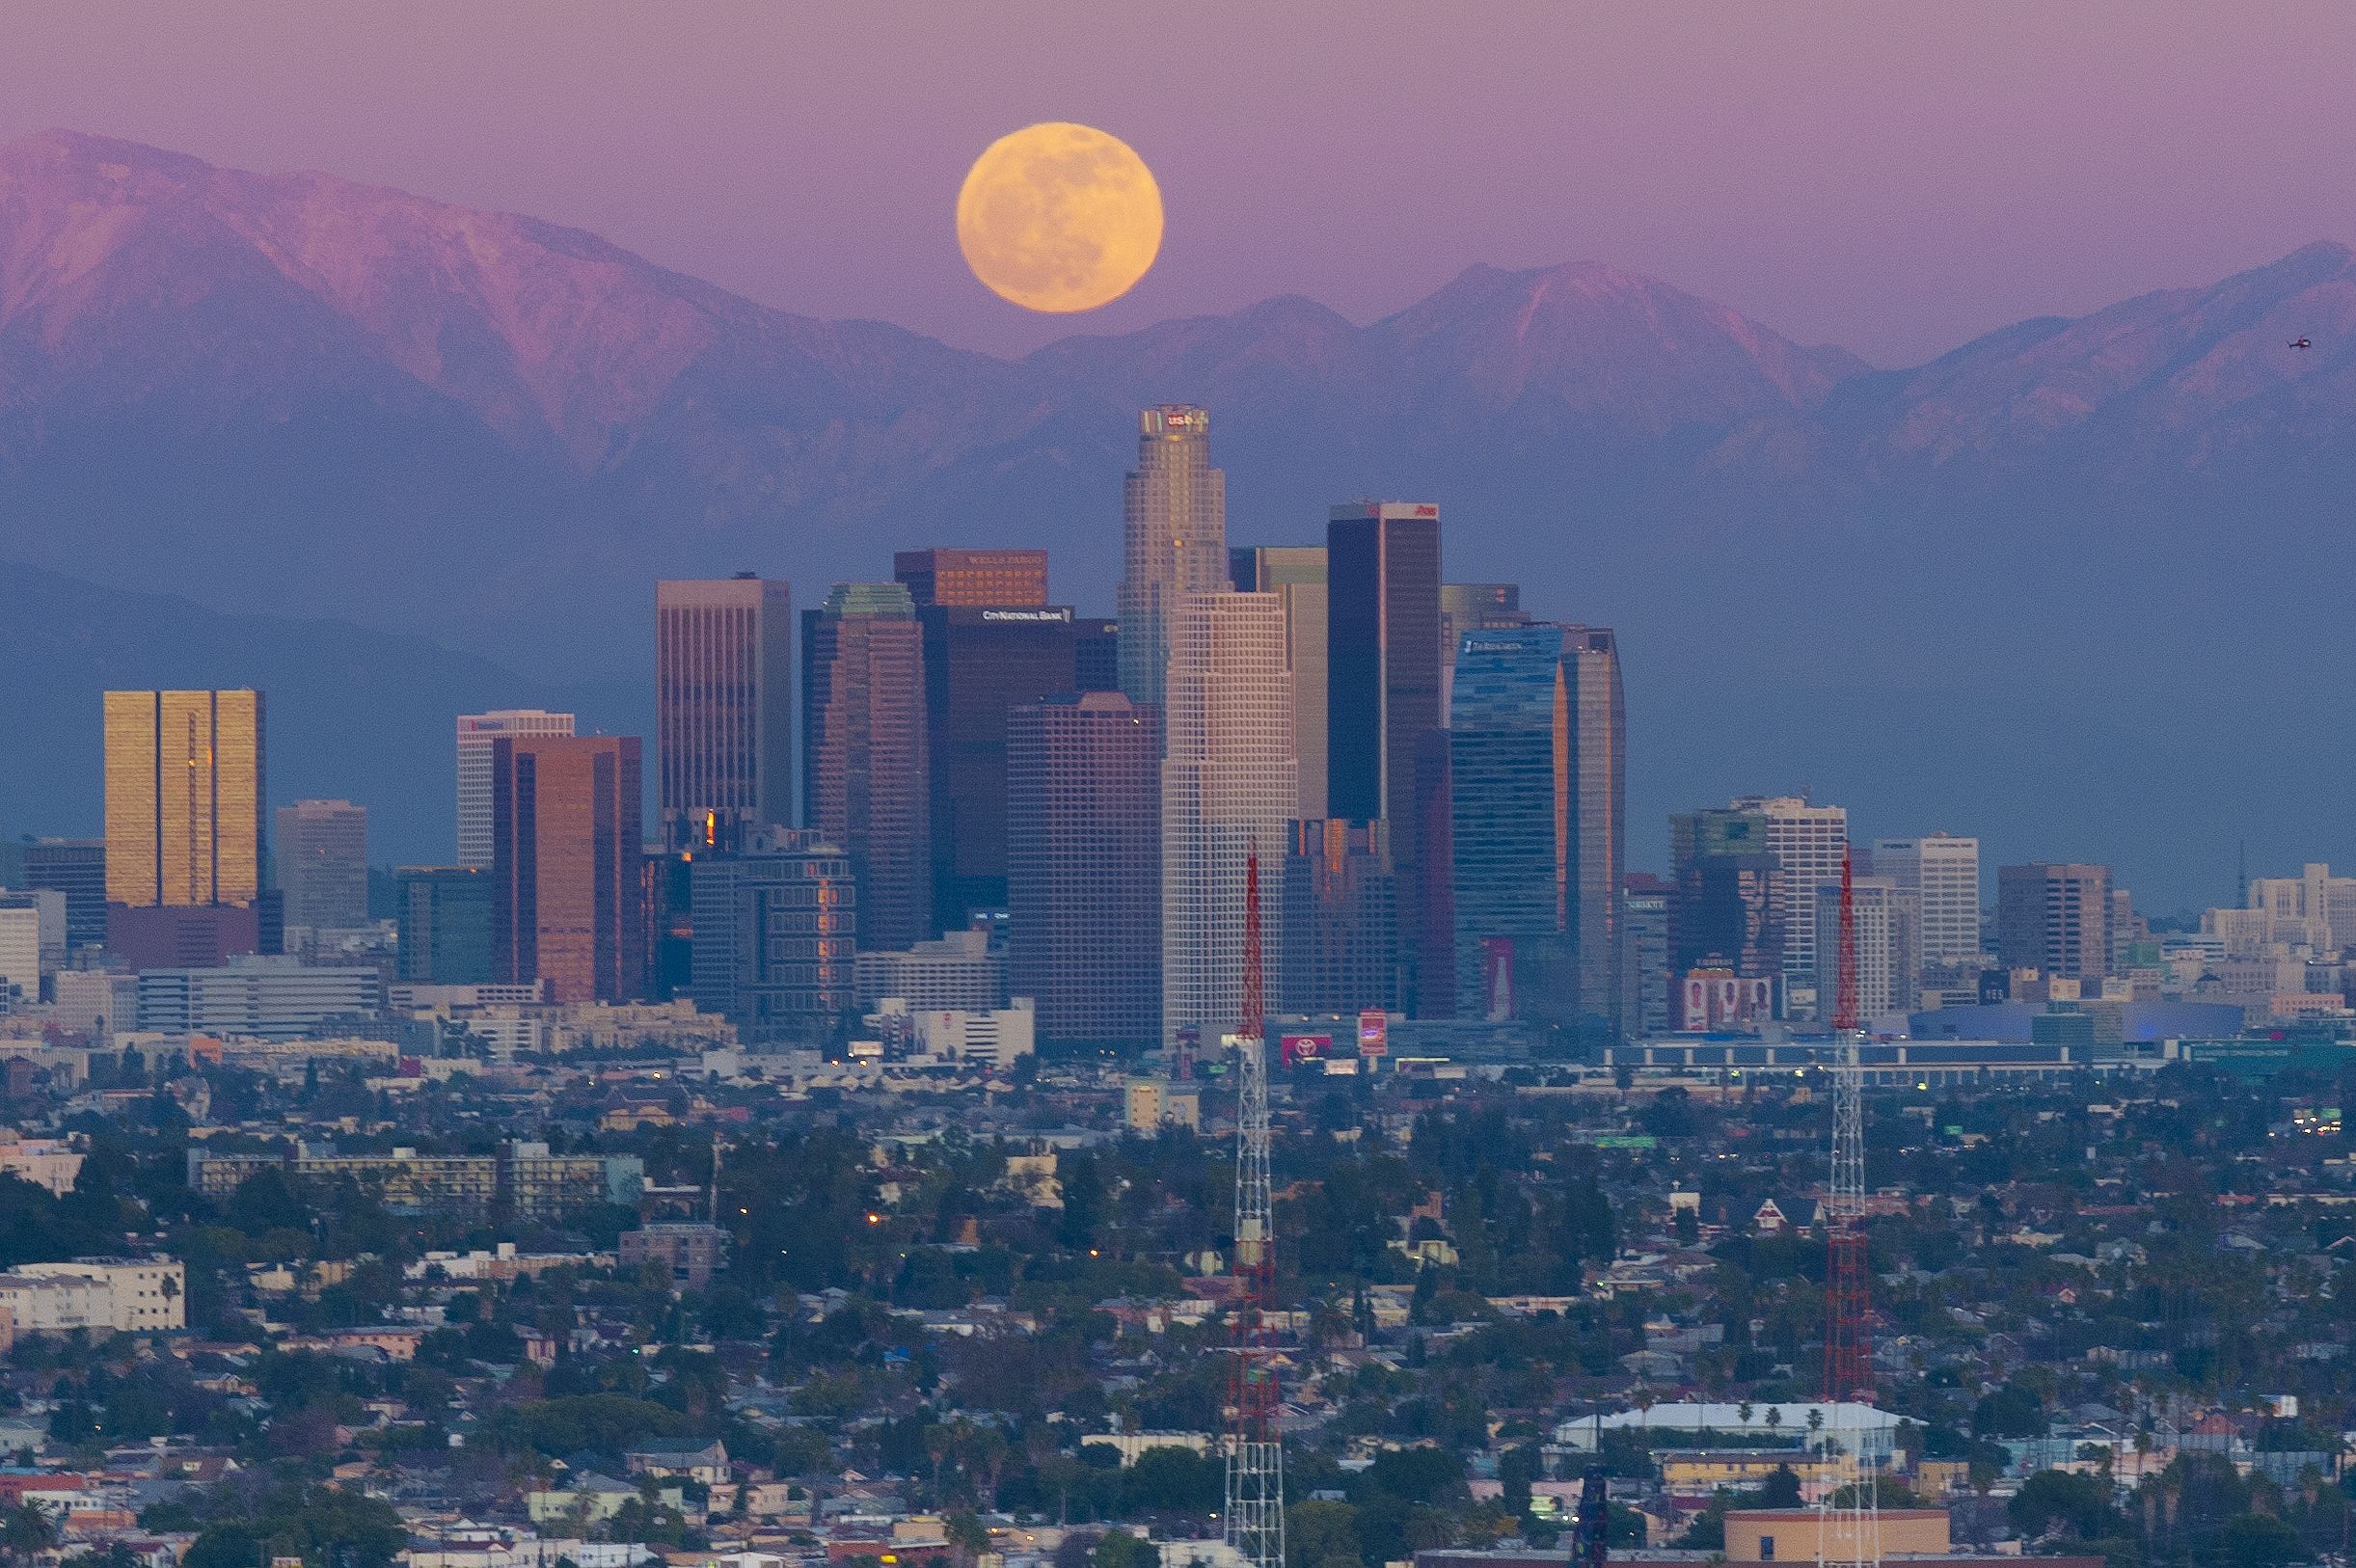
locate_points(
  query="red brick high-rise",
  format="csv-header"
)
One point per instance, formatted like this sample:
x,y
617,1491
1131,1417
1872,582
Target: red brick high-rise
x,y
567,901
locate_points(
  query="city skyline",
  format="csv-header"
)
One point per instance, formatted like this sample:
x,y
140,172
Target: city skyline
x,y
1341,786
1447,401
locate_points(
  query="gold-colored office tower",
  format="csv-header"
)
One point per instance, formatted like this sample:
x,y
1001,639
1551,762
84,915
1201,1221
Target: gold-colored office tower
x,y
184,797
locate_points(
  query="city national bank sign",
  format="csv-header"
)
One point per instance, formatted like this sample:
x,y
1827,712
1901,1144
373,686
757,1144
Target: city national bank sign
x,y
1060,614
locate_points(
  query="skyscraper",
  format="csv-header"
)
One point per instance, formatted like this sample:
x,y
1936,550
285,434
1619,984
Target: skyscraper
x,y
475,733
775,933
1174,543
1537,771
1645,988
322,864
1229,785
1510,825
1943,872
1096,653
567,845
1341,919
868,782
1382,564
975,579
75,867
1599,819
1808,843
1083,841
448,917
982,658
1296,574
2055,919
1473,606
723,708
1721,910
1887,926
184,797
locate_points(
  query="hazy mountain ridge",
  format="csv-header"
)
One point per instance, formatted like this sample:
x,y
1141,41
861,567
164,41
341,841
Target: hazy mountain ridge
x,y
298,394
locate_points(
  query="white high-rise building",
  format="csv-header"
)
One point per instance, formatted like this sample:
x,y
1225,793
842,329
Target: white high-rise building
x,y
1888,945
475,733
20,954
1807,842
1943,873
2314,909
1230,780
1173,541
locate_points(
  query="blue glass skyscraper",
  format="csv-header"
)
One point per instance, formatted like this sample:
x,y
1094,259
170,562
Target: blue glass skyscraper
x,y
1537,825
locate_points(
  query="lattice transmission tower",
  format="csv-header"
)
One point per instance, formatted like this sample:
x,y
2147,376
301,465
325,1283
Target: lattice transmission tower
x,y
1850,1532
1256,1450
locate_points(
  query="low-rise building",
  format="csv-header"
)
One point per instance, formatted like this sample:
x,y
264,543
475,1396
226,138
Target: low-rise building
x,y
52,1163
689,1254
118,1295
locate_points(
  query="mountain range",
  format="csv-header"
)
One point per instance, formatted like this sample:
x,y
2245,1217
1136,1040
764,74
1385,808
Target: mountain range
x,y
2067,585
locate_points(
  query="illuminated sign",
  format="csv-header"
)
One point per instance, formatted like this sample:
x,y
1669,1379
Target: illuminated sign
x,y
1374,1032
1055,615
1304,1047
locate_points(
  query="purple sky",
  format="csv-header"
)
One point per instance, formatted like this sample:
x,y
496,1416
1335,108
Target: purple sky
x,y
1892,177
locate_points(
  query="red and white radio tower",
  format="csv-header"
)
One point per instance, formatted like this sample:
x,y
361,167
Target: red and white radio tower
x,y
1256,1451
1851,1531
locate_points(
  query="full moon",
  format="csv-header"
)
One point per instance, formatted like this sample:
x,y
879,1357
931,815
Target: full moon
x,y
1058,217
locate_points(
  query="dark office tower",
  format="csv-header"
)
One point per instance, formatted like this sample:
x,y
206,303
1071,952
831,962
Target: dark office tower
x,y
1382,664
981,658
1341,919
75,867
1428,913
1083,841
447,918
1722,911
322,864
1173,541
776,928
864,754
977,579
670,920
568,903
1511,828
723,708
1644,988
1096,653
1599,819
2055,919
1296,574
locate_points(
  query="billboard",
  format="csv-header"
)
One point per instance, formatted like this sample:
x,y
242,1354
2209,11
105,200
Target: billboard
x,y
1304,1047
1374,1032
